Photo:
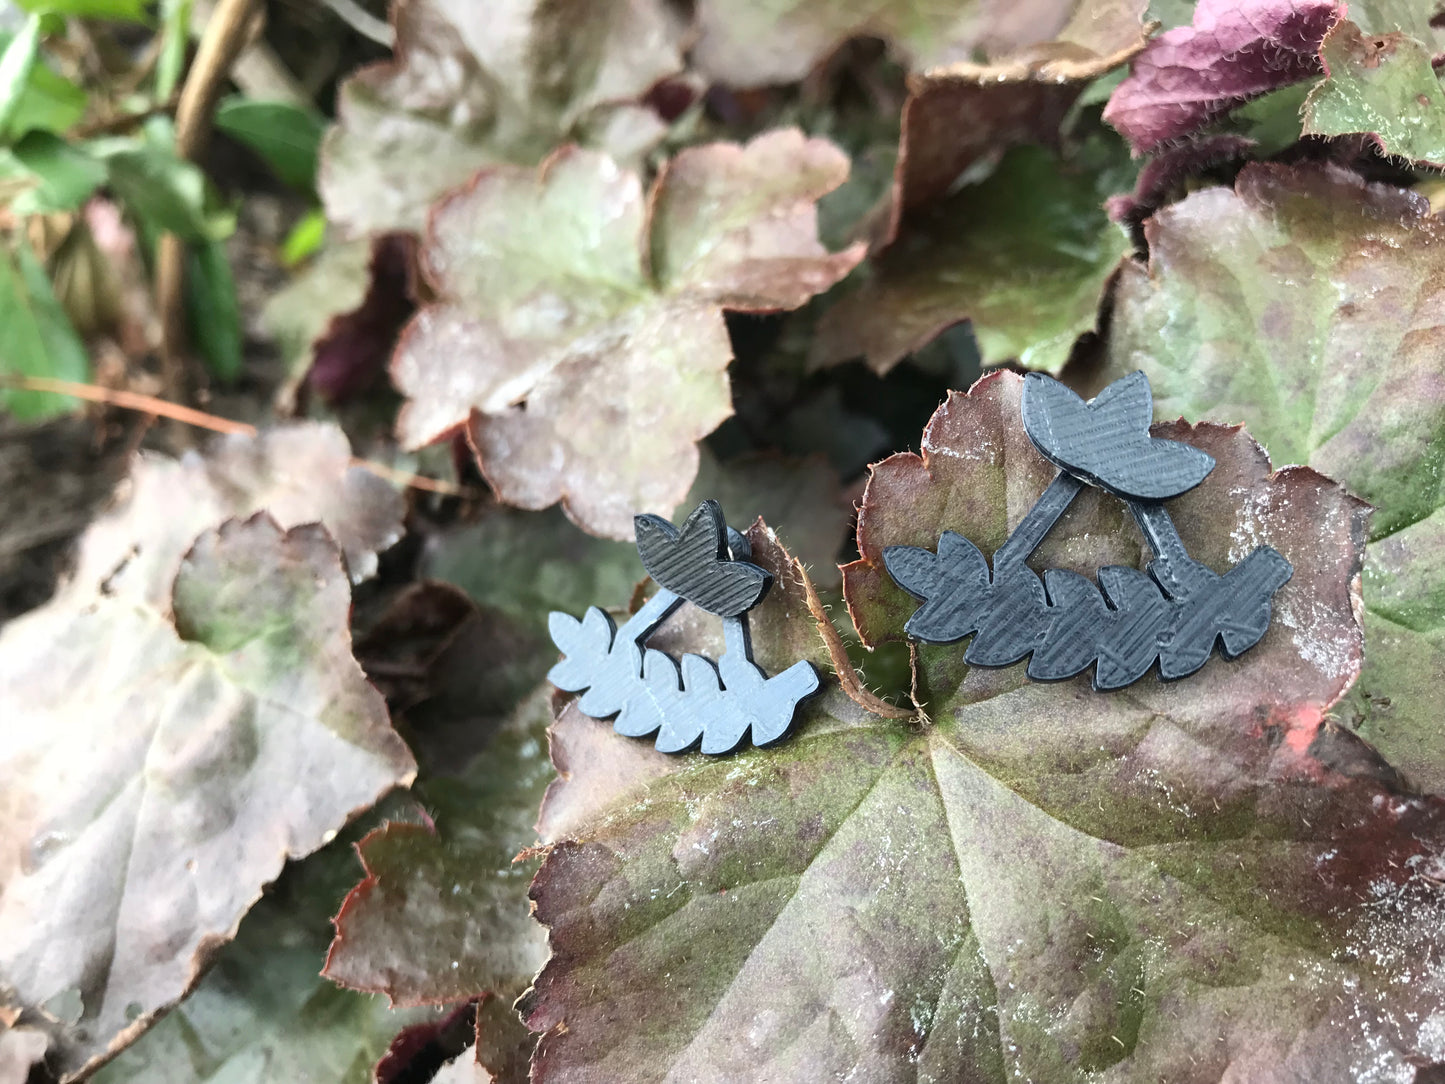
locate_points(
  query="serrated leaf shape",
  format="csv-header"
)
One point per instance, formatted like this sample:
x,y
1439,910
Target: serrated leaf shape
x,y
578,328
478,85
1342,368
149,761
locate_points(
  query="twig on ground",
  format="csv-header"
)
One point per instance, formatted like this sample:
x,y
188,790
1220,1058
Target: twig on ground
x,y
161,408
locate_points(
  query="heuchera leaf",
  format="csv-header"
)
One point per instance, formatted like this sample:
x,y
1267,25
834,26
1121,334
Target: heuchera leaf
x,y
298,473
1305,304
263,1012
475,85
1024,256
1041,882
442,916
1381,85
580,326
747,43
1234,51
149,767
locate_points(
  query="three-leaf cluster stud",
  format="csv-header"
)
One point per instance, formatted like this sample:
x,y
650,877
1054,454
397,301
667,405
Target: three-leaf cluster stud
x,y
716,706
1124,623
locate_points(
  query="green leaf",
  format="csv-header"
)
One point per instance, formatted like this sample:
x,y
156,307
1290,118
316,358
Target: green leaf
x,y
130,11
1303,304
287,136
1024,256
58,176
305,238
164,191
1381,85
215,314
16,63
36,337
176,31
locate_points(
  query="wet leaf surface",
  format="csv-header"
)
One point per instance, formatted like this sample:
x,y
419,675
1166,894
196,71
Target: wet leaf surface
x,y
476,86
1043,881
1304,303
149,775
579,326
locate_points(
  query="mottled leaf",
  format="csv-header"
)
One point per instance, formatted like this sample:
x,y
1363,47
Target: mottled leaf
x,y
579,325
442,913
1024,256
150,766
1041,882
263,1012
1234,51
1305,304
748,43
1381,85
478,85
299,474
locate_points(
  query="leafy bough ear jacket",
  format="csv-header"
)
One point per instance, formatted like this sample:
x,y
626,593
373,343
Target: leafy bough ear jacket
x,y
716,706
1121,625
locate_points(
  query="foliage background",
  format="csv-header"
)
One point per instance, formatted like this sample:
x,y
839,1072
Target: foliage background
x,y
464,285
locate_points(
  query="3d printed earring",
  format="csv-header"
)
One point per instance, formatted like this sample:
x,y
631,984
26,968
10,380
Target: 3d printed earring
x,y
704,563
1176,614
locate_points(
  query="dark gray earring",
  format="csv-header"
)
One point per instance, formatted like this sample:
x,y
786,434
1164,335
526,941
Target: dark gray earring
x,y
1176,614
704,563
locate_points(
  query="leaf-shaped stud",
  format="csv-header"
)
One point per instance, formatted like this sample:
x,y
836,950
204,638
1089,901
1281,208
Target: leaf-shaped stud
x,y
693,563
1106,440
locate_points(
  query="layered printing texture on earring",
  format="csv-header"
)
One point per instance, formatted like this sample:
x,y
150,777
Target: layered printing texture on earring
x,y
716,706
1175,614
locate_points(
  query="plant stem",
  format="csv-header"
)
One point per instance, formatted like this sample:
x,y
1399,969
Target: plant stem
x,y
225,35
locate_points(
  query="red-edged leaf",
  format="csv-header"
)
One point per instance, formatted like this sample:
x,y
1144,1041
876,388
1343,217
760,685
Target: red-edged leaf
x,y
1101,880
476,85
1304,303
579,326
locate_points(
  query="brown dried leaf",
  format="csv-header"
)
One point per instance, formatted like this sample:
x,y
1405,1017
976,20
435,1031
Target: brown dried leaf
x,y
299,473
